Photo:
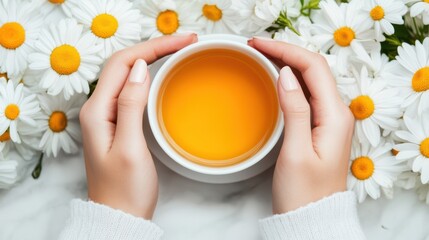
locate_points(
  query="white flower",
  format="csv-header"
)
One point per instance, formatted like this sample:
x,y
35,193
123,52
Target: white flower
x,y
423,192
19,29
113,24
372,168
375,61
342,30
17,110
8,172
373,106
169,17
28,147
219,16
409,73
303,25
415,148
383,13
67,59
60,124
419,8
55,9
258,15
408,180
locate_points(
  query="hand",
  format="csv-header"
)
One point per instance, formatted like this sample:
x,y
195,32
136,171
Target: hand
x,y
119,166
313,160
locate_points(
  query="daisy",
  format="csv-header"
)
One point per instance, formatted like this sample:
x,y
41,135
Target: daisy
x,y
383,13
408,180
419,8
113,24
409,73
28,147
303,40
17,110
19,29
55,9
169,17
8,172
415,148
258,15
342,30
219,16
373,106
66,58
423,192
374,61
60,124
372,168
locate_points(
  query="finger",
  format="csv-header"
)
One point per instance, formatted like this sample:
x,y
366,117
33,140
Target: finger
x,y
280,64
312,66
296,113
131,104
117,68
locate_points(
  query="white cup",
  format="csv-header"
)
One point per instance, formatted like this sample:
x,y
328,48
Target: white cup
x,y
214,43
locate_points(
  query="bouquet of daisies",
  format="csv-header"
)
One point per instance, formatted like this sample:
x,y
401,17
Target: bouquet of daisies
x,y
51,52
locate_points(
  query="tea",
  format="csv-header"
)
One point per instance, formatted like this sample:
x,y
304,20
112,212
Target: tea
x,y
217,107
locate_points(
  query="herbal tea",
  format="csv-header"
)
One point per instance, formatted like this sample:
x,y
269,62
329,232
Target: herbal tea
x,y
217,107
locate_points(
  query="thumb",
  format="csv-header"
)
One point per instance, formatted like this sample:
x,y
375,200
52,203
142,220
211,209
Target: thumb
x,y
296,113
131,104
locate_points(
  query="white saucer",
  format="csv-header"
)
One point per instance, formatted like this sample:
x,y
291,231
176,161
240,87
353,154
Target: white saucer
x,y
159,154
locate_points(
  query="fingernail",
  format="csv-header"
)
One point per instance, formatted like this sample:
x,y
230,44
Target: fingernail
x,y
288,79
264,38
185,34
138,72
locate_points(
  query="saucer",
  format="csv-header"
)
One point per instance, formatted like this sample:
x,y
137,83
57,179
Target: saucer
x,y
158,153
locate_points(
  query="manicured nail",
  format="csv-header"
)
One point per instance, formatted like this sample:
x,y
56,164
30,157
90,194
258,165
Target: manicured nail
x,y
138,72
264,38
288,79
185,34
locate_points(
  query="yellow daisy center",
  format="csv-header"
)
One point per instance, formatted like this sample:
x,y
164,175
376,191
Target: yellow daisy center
x,y
5,137
394,152
420,82
12,111
4,75
426,1
362,107
167,22
344,36
212,12
12,35
65,59
58,121
362,168
56,1
424,147
377,13
104,25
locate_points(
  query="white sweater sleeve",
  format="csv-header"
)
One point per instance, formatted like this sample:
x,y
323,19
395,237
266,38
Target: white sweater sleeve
x,y
93,221
334,218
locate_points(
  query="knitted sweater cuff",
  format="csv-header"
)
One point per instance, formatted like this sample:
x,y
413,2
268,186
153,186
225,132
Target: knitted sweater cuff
x,y
334,217
89,220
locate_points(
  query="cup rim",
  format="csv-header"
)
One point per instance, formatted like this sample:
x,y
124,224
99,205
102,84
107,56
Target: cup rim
x,y
153,100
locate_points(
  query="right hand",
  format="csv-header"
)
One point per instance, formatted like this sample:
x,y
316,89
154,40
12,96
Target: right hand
x,y
119,167
313,161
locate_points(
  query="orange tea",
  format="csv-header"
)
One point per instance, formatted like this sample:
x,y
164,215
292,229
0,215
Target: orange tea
x,y
217,107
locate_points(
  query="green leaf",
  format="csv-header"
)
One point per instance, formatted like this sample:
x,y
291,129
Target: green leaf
x,y
92,87
282,22
306,9
402,35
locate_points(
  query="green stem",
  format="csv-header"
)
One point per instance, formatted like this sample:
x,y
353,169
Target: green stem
x,y
38,169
